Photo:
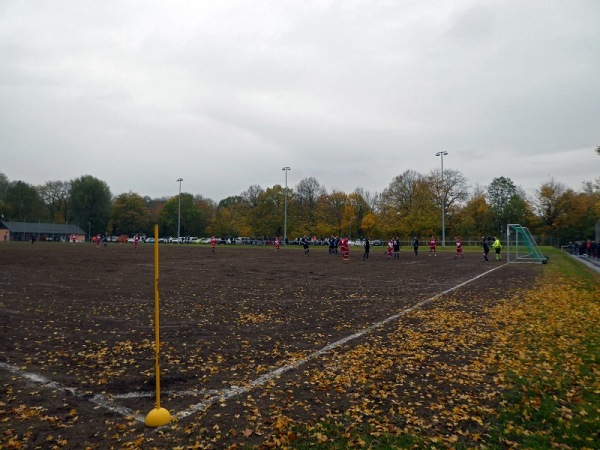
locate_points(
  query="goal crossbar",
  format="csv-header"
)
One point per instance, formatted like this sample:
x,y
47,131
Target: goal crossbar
x,y
521,245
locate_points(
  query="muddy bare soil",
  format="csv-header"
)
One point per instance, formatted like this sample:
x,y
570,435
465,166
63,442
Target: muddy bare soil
x,y
77,366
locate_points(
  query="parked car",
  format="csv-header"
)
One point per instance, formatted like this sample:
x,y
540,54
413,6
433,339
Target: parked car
x,y
376,242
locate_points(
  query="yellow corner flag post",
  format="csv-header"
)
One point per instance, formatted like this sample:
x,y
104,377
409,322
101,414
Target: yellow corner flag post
x,y
158,416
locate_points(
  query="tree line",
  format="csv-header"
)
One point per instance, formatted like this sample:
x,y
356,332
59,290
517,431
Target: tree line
x,y
409,206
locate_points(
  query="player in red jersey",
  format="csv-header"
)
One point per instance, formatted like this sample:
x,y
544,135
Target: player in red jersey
x,y
432,245
136,240
213,243
459,250
390,248
73,238
345,247
276,243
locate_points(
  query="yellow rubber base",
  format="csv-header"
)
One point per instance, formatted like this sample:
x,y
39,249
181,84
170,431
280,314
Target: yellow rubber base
x,y
158,417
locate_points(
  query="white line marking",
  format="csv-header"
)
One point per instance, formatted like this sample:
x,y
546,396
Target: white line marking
x,y
97,399
238,390
186,393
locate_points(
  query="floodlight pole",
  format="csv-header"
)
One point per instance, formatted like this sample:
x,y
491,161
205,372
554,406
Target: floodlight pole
x,y
441,155
285,169
179,180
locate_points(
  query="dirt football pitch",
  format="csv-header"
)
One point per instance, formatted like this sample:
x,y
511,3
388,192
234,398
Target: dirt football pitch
x,y
240,330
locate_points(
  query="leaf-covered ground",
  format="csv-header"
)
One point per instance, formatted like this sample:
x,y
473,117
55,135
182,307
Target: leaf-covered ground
x,y
80,319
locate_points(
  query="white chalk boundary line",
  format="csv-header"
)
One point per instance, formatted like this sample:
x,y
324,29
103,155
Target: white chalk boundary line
x,y
108,403
186,393
97,399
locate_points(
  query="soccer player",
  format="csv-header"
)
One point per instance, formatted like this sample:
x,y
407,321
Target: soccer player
x,y
276,243
498,247
396,245
305,245
459,250
345,247
486,248
213,243
367,248
136,240
432,245
390,248
415,244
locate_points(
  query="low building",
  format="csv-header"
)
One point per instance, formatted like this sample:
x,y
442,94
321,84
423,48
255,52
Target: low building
x,y
24,231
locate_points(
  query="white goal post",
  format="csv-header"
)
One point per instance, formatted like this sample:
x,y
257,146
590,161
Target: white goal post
x,y
521,245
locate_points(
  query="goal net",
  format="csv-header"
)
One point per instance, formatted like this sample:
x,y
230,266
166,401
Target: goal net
x,y
521,246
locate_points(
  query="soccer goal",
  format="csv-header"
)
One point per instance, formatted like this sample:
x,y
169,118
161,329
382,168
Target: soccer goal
x,y
521,246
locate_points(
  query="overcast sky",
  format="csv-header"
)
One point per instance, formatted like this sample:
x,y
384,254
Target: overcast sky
x,y
224,94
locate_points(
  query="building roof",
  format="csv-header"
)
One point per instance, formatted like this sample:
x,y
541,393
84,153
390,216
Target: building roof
x,y
43,228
